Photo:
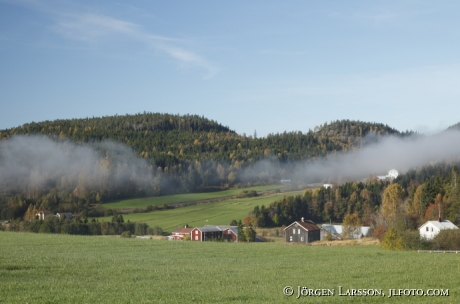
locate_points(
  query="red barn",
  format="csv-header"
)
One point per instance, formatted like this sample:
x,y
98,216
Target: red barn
x,y
206,233
230,234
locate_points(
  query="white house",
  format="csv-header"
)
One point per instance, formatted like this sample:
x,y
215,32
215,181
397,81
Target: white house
x,y
431,228
392,174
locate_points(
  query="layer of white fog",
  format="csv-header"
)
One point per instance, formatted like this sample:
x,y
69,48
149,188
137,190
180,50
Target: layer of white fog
x,y
34,160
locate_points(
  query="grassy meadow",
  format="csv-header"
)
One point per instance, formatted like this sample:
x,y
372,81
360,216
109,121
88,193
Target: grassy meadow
x,y
40,268
217,213
181,198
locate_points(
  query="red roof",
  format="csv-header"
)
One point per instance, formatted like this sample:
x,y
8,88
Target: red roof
x,y
308,225
183,230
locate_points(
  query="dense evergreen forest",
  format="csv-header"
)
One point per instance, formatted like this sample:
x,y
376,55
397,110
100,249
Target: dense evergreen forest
x,y
160,154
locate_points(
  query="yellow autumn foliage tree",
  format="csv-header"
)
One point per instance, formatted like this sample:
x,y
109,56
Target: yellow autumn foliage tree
x,y
391,202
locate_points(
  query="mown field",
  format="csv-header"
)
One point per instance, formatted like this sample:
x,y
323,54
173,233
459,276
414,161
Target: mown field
x,y
218,213
38,268
181,198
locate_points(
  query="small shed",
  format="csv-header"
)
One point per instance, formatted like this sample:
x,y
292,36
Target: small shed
x,y
302,232
431,228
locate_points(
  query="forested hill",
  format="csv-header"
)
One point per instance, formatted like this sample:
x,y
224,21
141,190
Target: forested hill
x,y
168,139
454,127
109,126
181,154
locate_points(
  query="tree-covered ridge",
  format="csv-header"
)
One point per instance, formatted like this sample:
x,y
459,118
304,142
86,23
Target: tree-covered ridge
x,y
137,122
169,139
454,127
180,154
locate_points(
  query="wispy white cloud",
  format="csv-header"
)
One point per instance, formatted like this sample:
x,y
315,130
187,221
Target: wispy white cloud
x,y
96,29
188,57
91,27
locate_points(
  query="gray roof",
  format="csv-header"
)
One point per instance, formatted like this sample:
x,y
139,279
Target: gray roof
x,y
209,229
441,225
221,227
234,229
337,229
331,228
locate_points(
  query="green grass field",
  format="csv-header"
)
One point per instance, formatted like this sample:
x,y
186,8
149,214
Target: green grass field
x,y
37,268
181,198
218,213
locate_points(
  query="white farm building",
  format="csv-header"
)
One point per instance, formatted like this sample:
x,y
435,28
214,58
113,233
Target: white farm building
x,y
392,174
431,228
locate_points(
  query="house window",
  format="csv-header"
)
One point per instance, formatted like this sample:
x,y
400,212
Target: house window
x,y
301,238
427,229
196,231
196,237
290,238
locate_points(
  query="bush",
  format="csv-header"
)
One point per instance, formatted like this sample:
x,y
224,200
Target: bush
x,y
140,229
392,240
151,208
126,234
412,241
379,232
328,236
447,240
109,212
157,230
246,193
97,212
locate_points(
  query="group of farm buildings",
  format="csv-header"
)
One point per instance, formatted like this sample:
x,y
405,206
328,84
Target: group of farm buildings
x,y
303,231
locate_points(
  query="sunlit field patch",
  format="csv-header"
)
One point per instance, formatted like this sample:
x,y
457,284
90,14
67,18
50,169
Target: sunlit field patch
x,y
218,213
181,198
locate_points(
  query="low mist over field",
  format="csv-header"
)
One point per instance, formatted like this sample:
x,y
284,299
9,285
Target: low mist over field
x,y
389,152
378,156
38,161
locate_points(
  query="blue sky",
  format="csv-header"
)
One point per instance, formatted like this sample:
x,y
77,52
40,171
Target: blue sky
x,y
270,66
